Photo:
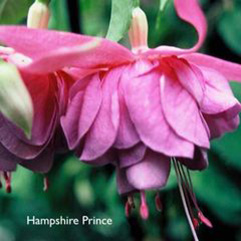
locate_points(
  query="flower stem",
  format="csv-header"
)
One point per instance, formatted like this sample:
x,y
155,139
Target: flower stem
x,y
136,3
44,1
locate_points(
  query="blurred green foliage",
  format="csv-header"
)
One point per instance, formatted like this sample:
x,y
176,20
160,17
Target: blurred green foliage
x,y
77,189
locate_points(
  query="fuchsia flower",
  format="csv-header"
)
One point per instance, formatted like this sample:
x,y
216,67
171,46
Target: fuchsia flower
x,y
138,110
163,106
49,96
48,85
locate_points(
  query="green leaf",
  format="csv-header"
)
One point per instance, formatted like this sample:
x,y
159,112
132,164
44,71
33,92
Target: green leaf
x,y
163,4
219,193
121,14
12,11
229,29
15,100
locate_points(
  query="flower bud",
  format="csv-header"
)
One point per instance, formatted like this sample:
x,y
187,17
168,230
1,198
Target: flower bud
x,y
138,32
38,15
15,101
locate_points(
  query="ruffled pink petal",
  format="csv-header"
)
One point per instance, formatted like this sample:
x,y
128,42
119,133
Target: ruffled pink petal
x,y
61,49
218,94
42,163
124,187
103,132
64,84
182,112
127,135
14,144
151,173
110,157
8,162
82,109
131,156
199,161
220,124
189,76
229,70
143,100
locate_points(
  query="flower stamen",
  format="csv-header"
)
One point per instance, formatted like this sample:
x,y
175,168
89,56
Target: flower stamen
x,y
46,184
179,181
158,202
7,177
144,211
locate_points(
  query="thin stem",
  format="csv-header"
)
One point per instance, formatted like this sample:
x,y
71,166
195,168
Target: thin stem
x,y
184,202
44,1
136,3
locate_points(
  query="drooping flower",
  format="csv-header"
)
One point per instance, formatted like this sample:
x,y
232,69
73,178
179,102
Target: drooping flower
x,y
49,96
164,106
49,93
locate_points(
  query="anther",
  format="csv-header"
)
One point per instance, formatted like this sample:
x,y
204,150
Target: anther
x,y
127,209
158,202
204,220
7,177
195,223
144,211
46,184
130,200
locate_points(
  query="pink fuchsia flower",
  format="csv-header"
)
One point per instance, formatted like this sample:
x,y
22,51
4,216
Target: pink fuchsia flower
x,y
165,105
49,92
48,85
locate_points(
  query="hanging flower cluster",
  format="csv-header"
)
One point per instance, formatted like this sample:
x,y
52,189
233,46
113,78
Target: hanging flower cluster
x,y
138,109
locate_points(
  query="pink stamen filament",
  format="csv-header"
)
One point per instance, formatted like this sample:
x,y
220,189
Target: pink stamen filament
x,y
191,193
184,201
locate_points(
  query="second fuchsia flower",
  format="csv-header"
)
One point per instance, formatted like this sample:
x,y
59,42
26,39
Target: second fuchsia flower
x,y
139,109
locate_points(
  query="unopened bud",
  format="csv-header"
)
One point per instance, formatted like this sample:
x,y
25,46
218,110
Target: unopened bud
x,y
138,32
38,15
15,101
